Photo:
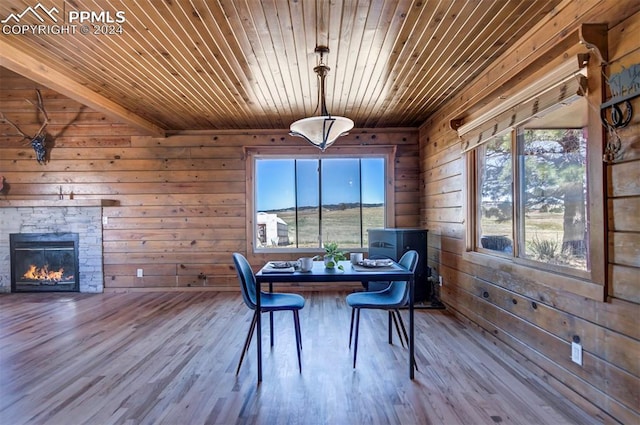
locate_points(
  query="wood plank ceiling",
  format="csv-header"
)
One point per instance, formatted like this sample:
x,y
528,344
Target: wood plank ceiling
x,y
248,64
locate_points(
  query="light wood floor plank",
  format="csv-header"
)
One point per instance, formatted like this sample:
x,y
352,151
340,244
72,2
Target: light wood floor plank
x,y
170,358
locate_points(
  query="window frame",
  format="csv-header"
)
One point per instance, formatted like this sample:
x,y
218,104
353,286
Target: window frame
x,y
388,153
517,224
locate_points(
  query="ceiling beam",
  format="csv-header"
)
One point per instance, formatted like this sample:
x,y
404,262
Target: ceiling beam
x,y
27,66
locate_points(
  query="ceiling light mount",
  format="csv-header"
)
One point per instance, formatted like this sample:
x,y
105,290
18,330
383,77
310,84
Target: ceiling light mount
x,y
323,130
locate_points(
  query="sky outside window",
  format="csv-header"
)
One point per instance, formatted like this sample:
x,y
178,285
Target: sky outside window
x,y
275,182
275,188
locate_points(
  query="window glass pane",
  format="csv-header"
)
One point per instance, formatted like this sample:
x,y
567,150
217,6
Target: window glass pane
x,y
275,202
373,195
554,198
341,200
495,198
308,203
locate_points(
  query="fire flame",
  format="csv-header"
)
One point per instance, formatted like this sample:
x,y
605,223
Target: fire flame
x,y
44,274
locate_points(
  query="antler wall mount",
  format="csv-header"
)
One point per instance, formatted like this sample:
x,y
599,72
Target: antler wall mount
x,y
624,86
39,140
617,112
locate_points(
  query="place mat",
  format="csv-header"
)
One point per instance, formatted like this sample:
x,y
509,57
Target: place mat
x,y
360,268
281,264
279,267
268,269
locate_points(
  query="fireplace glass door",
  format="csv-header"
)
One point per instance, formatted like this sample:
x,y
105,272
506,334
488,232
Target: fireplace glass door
x,y
44,262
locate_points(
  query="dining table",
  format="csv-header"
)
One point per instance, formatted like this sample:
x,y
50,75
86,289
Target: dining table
x,y
345,271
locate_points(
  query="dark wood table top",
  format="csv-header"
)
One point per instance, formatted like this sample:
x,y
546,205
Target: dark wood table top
x,y
320,273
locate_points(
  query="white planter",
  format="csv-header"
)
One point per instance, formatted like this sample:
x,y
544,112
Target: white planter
x,y
329,262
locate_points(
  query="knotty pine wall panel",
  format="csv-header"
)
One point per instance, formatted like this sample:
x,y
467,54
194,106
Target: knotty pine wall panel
x,y
524,310
182,200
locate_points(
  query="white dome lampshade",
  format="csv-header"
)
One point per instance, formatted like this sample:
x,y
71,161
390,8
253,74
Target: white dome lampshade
x,y
323,130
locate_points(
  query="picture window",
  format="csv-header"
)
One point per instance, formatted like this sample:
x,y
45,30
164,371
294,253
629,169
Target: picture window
x,y
301,203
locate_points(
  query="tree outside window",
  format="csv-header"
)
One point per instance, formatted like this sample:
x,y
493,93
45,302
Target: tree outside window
x,y
495,178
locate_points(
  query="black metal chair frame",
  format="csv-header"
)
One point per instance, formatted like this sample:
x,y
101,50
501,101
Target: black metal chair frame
x,y
393,315
248,286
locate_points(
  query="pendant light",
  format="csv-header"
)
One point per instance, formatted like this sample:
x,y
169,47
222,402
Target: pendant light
x,y
323,130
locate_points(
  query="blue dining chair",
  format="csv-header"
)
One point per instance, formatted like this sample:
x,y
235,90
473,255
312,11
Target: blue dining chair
x,y
392,298
269,302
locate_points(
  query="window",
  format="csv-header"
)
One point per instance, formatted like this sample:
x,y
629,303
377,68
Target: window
x,y
553,201
531,190
495,187
302,202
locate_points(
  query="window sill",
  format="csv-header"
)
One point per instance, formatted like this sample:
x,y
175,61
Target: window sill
x,y
578,282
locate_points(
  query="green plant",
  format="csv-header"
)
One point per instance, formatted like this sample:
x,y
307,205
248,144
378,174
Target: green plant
x,y
333,254
544,249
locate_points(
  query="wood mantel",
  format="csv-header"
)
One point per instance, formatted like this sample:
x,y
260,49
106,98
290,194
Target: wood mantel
x,y
42,203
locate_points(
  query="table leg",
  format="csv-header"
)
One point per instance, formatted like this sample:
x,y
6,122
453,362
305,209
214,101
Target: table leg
x,y
411,327
271,316
259,334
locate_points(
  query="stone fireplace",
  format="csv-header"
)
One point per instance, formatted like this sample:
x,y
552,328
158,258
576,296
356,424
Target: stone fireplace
x,y
53,223
44,262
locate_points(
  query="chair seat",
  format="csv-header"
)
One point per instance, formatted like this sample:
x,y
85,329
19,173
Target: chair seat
x,y
276,301
378,300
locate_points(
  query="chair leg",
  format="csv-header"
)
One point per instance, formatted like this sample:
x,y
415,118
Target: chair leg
x,y
389,327
355,347
271,327
247,341
404,330
296,329
299,329
353,312
406,337
296,325
392,314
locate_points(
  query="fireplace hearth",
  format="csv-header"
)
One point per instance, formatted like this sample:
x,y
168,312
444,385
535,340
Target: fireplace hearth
x,y
44,262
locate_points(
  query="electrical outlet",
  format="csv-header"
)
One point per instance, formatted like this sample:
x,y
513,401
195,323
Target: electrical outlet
x,y
105,220
440,280
140,273
576,353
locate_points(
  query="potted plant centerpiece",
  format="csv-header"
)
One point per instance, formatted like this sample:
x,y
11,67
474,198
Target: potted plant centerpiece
x,y
332,254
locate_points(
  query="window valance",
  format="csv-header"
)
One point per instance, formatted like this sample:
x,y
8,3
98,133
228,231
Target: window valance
x,y
557,89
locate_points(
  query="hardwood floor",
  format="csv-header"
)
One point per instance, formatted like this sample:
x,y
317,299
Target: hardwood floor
x,y
170,358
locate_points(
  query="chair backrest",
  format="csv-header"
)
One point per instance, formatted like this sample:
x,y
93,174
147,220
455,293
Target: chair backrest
x,y
400,289
247,280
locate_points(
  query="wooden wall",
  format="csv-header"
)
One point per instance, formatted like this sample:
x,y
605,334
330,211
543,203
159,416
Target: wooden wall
x,y
182,198
523,309
182,213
